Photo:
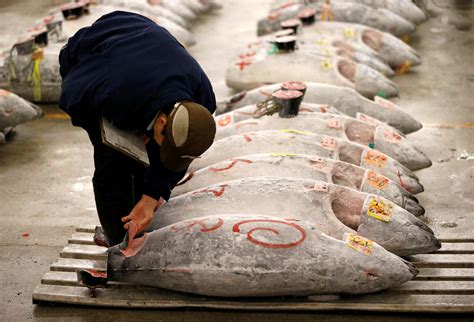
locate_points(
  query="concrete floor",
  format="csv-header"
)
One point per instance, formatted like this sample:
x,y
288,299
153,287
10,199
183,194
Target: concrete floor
x,y
46,167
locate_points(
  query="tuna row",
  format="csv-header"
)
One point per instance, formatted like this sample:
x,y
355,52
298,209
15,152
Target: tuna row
x,y
318,202
30,68
338,52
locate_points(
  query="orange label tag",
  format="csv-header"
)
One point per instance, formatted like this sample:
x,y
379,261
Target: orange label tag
x,y
377,181
225,120
375,158
380,210
359,243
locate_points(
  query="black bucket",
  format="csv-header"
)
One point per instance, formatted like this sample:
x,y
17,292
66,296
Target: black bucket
x,y
292,24
284,32
285,43
73,10
307,16
289,101
294,86
25,46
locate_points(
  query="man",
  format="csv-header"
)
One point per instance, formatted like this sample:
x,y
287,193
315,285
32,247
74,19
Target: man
x,y
136,75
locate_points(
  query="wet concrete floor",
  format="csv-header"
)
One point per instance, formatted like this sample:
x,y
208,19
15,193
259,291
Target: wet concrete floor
x,y
46,167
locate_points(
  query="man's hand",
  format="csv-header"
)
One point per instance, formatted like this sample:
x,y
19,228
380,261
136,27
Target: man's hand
x,y
142,213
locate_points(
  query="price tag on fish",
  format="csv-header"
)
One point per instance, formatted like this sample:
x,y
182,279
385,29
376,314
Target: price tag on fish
x,y
391,136
375,158
359,243
376,180
384,102
334,123
321,187
379,209
329,143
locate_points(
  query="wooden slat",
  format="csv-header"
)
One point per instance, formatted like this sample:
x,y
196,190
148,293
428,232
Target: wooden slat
x,y
456,248
84,252
144,297
73,265
60,278
436,287
445,274
86,229
82,239
443,260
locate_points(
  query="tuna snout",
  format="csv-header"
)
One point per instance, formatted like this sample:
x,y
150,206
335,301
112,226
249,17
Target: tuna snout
x,y
413,270
413,206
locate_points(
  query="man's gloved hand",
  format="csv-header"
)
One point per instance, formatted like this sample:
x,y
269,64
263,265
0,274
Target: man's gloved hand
x,y
142,213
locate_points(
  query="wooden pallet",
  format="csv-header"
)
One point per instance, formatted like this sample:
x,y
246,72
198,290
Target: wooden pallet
x,y
445,284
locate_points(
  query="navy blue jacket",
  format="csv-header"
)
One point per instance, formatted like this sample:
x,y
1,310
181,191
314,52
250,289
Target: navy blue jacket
x,y
127,68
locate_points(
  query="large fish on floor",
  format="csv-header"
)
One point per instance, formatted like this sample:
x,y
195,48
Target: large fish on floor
x,y
345,100
297,142
381,19
300,166
335,209
382,138
238,255
262,67
13,111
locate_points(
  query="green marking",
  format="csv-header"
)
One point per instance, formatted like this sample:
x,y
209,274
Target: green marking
x,y
273,50
371,145
381,94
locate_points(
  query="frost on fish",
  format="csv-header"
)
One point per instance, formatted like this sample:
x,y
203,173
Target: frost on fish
x,y
298,142
254,255
382,138
345,100
264,67
300,166
351,12
335,209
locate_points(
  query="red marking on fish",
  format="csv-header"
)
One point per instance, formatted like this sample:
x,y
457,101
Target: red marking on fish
x,y
134,245
242,64
399,175
247,55
391,136
247,138
231,165
240,124
225,120
204,228
236,229
95,273
266,94
371,274
216,193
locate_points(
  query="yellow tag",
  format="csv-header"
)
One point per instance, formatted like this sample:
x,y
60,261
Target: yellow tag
x,y
283,155
359,243
380,210
322,42
325,64
349,33
296,132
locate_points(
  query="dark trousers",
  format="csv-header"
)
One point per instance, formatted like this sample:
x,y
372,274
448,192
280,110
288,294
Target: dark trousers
x,y
118,185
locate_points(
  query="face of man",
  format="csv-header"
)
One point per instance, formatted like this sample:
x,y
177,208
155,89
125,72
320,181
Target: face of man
x,y
159,128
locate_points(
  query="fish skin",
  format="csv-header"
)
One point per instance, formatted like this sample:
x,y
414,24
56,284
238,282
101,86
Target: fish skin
x,y
344,99
179,8
335,209
15,110
303,167
264,68
380,19
308,143
227,262
383,138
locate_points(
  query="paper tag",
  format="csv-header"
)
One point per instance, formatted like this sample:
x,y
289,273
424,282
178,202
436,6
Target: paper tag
x,y
359,243
377,181
380,210
334,123
384,102
321,186
329,143
225,120
391,136
296,132
326,64
375,158
349,33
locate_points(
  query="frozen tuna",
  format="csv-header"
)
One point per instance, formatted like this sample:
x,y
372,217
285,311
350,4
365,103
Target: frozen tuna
x,y
304,167
298,142
238,255
345,100
261,67
335,209
382,138
352,12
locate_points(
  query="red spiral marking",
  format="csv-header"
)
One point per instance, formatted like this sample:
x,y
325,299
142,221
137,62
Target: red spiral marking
x,y
236,229
231,165
204,227
247,138
217,193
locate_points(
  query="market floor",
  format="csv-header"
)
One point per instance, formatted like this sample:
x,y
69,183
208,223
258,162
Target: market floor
x,y
46,167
